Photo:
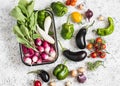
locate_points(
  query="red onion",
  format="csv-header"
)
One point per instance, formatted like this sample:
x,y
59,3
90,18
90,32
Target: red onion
x,y
81,78
88,14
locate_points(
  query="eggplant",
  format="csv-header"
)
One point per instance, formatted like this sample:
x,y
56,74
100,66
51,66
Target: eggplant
x,y
42,74
75,56
81,37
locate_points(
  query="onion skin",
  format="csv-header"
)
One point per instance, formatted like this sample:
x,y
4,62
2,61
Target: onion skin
x,y
88,14
81,78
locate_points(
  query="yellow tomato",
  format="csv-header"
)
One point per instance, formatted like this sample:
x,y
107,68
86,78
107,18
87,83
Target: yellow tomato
x,y
76,17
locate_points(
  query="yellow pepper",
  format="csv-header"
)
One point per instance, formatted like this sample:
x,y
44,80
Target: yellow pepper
x,y
76,17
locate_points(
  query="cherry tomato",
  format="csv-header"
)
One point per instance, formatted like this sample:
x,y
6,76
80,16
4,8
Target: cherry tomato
x,y
37,83
68,2
96,46
73,3
103,46
99,40
93,54
102,55
89,46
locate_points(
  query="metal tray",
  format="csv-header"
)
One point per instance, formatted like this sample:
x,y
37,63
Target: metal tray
x,y
52,28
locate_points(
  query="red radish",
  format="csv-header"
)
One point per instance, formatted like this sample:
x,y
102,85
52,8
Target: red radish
x,y
52,52
41,49
44,56
34,58
46,46
24,49
38,41
28,60
37,54
39,61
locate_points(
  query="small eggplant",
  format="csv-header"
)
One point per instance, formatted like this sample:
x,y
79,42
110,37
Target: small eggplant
x,y
75,56
42,74
81,36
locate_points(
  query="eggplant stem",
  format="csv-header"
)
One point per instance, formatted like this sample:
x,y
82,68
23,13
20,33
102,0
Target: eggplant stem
x,y
65,62
61,46
36,72
88,26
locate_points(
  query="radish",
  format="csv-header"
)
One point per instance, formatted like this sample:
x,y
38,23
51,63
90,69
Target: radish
x,y
37,54
28,60
52,52
24,49
46,46
41,49
45,36
38,41
47,24
34,59
44,56
39,61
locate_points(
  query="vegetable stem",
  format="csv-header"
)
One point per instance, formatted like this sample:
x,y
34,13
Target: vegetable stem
x,y
61,46
36,72
68,19
88,26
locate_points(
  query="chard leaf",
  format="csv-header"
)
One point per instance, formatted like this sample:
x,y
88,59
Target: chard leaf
x,y
25,31
23,3
35,36
17,13
30,7
24,10
17,31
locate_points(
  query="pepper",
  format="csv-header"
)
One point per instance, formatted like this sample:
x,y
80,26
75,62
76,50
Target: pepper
x,y
42,14
59,8
67,30
106,31
76,17
61,71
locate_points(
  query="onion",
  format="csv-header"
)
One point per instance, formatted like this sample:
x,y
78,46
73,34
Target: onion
x,y
81,78
88,14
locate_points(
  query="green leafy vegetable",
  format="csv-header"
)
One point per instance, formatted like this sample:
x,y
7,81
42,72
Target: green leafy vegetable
x,y
93,66
25,29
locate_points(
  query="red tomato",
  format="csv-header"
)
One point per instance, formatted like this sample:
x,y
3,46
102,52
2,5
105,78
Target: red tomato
x,y
37,83
68,2
102,55
103,46
93,54
73,3
99,40
89,46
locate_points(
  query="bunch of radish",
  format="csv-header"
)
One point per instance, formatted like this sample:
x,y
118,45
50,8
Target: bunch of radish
x,y
46,53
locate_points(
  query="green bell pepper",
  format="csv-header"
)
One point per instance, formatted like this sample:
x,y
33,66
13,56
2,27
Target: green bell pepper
x,y
61,71
59,8
106,31
67,30
41,18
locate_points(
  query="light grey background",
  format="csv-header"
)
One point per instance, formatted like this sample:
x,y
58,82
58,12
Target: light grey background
x,y
14,73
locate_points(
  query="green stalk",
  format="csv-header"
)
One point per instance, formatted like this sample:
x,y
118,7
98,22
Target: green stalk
x,y
61,46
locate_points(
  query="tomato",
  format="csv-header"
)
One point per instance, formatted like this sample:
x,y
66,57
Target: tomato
x,y
73,3
99,40
89,46
93,54
103,46
37,83
68,2
102,55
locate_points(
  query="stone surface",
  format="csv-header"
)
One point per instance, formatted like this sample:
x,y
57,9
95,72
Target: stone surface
x,y
14,73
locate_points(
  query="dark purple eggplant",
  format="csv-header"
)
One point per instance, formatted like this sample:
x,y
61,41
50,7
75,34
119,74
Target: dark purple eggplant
x,y
81,37
42,74
75,56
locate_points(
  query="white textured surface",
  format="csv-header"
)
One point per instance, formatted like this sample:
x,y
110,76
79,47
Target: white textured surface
x,y
14,73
